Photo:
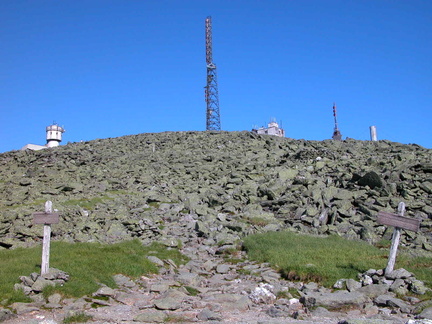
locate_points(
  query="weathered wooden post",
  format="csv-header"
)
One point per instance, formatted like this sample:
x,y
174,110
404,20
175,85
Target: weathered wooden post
x,y
399,222
47,218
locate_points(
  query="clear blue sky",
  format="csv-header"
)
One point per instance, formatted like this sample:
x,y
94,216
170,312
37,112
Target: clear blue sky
x,y
108,68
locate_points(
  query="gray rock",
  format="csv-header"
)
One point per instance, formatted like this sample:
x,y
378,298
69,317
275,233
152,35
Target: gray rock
x,y
209,265
160,288
117,230
338,298
26,290
27,281
366,280
371,179
419,321
381,300
170,300
41,283
321,312
397,284
104,292
263,294
49,321
390,301
277,311
5,314
418,287
151,317
54,274
168,303
55,298
53,305
230,301
122,280
366,321
340,284
401,290
396,302
208,315
399,274
22,308
373,291
223,268
156,260
188,279
270,276
352,285
426,313
287,174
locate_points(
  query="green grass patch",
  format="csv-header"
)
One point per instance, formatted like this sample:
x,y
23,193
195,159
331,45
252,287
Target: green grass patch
x,y
88,204
192,291
17,296
77,318
326,259
176,319
37,202
121,192
258,221
88,264
383,244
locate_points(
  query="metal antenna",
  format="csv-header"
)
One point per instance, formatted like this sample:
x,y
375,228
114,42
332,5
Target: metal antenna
x,y
211,89
337,136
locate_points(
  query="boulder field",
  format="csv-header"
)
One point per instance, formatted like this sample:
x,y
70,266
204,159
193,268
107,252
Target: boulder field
x,y
230,184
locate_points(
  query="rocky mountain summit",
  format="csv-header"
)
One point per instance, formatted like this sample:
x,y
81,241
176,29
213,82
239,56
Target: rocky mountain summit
x,y
232,183
203,192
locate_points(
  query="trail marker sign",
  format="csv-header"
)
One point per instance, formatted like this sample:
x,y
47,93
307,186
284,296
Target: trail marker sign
x,y
395,220
398,221
47,218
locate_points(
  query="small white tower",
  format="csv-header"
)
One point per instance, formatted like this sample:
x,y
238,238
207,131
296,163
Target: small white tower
x,y
373,133
54,135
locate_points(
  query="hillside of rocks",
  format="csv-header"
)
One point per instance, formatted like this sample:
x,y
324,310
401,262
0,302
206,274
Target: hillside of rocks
x,y
226,185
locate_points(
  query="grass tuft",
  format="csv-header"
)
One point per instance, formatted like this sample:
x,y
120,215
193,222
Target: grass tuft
x,y
192,291
77,318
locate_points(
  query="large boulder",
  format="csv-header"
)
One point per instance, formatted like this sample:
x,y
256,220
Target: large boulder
x,y
333,300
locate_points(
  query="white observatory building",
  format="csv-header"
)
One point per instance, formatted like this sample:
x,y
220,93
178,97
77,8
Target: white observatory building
x,y
54,135
271,129
53,138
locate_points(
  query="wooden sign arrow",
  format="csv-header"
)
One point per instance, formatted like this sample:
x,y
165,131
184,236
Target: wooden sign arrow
x,y
398,221
45,218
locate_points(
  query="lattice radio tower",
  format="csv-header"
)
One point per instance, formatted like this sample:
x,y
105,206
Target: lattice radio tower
x,y
337,136
211,89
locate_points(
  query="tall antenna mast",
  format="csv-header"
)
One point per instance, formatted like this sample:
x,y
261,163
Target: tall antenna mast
x,y
337,136
211,89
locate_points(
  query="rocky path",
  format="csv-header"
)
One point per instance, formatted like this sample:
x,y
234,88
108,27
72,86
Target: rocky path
x,y
206,289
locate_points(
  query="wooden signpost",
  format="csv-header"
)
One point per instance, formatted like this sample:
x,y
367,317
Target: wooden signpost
x,y
398,222
47,218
